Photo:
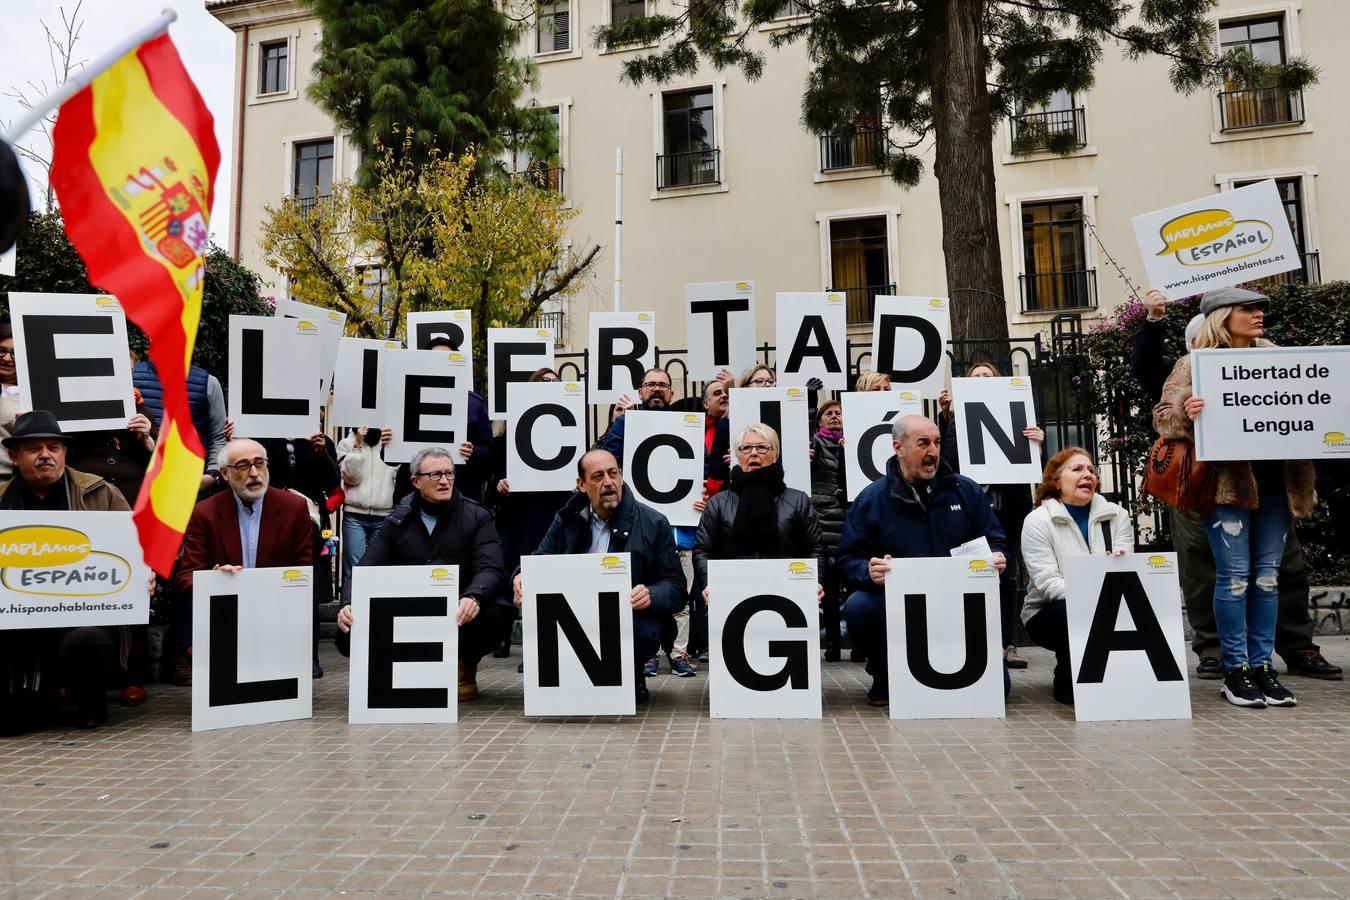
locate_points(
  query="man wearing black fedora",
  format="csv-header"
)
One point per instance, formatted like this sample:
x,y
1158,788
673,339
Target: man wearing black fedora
x,y
38,662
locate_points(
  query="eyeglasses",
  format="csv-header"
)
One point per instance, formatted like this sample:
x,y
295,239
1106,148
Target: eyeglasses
x,y
762,381
755,449
653,385
438,475
244,466
6,354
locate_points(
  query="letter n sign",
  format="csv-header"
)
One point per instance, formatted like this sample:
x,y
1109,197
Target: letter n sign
x,y
943,639
1125,637
578,629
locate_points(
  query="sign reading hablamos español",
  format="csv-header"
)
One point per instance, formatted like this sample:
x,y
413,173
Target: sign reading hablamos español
x,y
1272,403
62,569
1217,241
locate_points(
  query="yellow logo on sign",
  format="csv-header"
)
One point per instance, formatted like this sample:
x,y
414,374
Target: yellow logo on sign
x,y
1156,561
1214,236
979,565
798,567
440,573
572,386
1018,382
644,317
105,302
908,395
391,345
334,316
834,298
457,357
293,576
1335,438
742,286
937,303
544,333
42,545
795,392
460,314
690,419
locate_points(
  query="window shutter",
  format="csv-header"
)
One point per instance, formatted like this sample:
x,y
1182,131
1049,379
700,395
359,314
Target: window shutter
x,y
562,32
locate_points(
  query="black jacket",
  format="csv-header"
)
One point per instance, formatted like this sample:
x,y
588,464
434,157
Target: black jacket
x,y
633,529
464,537
798,530
827,490
1149,364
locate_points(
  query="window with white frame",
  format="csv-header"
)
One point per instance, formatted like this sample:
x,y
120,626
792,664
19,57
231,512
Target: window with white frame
x,y
690,155
546,174
273,66
1245,106
860,262
553,26
313,173
1055,270
623,10
1291,190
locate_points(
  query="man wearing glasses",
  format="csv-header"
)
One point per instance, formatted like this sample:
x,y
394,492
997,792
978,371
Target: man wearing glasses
x,y
656,392
438,525
250,526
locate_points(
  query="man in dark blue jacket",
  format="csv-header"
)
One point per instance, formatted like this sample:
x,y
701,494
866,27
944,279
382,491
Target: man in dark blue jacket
x,y
604,518
920,509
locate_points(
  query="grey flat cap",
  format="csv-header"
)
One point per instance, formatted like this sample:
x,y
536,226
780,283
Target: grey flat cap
x,y
1230,296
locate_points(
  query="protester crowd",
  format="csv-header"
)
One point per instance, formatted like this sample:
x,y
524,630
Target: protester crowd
x,y
273,503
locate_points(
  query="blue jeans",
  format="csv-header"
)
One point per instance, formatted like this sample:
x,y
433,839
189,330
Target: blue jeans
x,y
1248,545
358,529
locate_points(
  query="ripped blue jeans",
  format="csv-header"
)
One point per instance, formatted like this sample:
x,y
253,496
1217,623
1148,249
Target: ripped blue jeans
x,y
1248,545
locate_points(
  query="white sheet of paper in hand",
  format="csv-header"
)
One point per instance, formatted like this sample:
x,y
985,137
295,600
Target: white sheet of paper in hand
x,y
977,547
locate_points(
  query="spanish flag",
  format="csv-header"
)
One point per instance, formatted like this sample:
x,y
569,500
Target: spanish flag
x,y
134,162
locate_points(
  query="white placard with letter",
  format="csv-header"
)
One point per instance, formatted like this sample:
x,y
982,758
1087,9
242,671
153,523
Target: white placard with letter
x,y
869,417
784,410
358,383
909,341
586,598
454,325
944,639
67,569
663,461
252,640
545,435
274,388
623,346
1220,240
71,359
720,323
990,415
331,325
763,620
810,330
1272,403
514,354
405,645
1125,637
426,401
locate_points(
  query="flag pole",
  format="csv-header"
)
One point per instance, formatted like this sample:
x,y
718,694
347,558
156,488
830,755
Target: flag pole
x,y
81,79
618,226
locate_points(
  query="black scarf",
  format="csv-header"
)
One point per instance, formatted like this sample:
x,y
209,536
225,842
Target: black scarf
x,y
755,529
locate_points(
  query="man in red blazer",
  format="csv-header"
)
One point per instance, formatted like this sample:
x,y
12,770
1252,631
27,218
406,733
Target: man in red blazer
x,y
249,526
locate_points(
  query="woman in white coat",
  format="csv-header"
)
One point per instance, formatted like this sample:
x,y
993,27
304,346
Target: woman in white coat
x,y
1071,519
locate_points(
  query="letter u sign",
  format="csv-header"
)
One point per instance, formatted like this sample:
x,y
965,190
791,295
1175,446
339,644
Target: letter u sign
x,y
943,640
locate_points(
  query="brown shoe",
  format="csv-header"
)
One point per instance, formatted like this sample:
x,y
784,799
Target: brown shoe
x,y
468,681
1012,659
182,672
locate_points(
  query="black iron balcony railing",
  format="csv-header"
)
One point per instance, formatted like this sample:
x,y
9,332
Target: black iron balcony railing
x,y
545,178
852,151
307,204
687,169
1309,273
552,319
1259,108
859,301
1048,291
1042,130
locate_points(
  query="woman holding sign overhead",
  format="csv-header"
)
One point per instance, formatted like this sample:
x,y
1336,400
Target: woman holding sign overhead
x,y
1252,505
1070,519
757,516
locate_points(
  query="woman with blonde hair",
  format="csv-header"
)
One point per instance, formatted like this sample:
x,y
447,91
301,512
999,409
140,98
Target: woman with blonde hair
x,y
872,381
1071,519
1253,507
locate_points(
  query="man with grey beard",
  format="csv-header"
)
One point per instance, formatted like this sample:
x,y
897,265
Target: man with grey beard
x,y
249,526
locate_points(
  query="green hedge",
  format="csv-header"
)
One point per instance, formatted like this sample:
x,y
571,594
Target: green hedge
x,y
1299,315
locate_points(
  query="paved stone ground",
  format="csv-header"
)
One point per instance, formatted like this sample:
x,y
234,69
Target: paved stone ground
x,y
1232,804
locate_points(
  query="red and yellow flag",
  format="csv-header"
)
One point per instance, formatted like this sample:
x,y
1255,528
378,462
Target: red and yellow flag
x,y
134,165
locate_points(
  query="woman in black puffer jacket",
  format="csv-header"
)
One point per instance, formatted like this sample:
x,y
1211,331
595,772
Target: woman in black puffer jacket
x,y
757,516
827,495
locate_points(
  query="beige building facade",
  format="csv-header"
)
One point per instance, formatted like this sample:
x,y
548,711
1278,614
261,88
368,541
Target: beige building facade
x,y
722,182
